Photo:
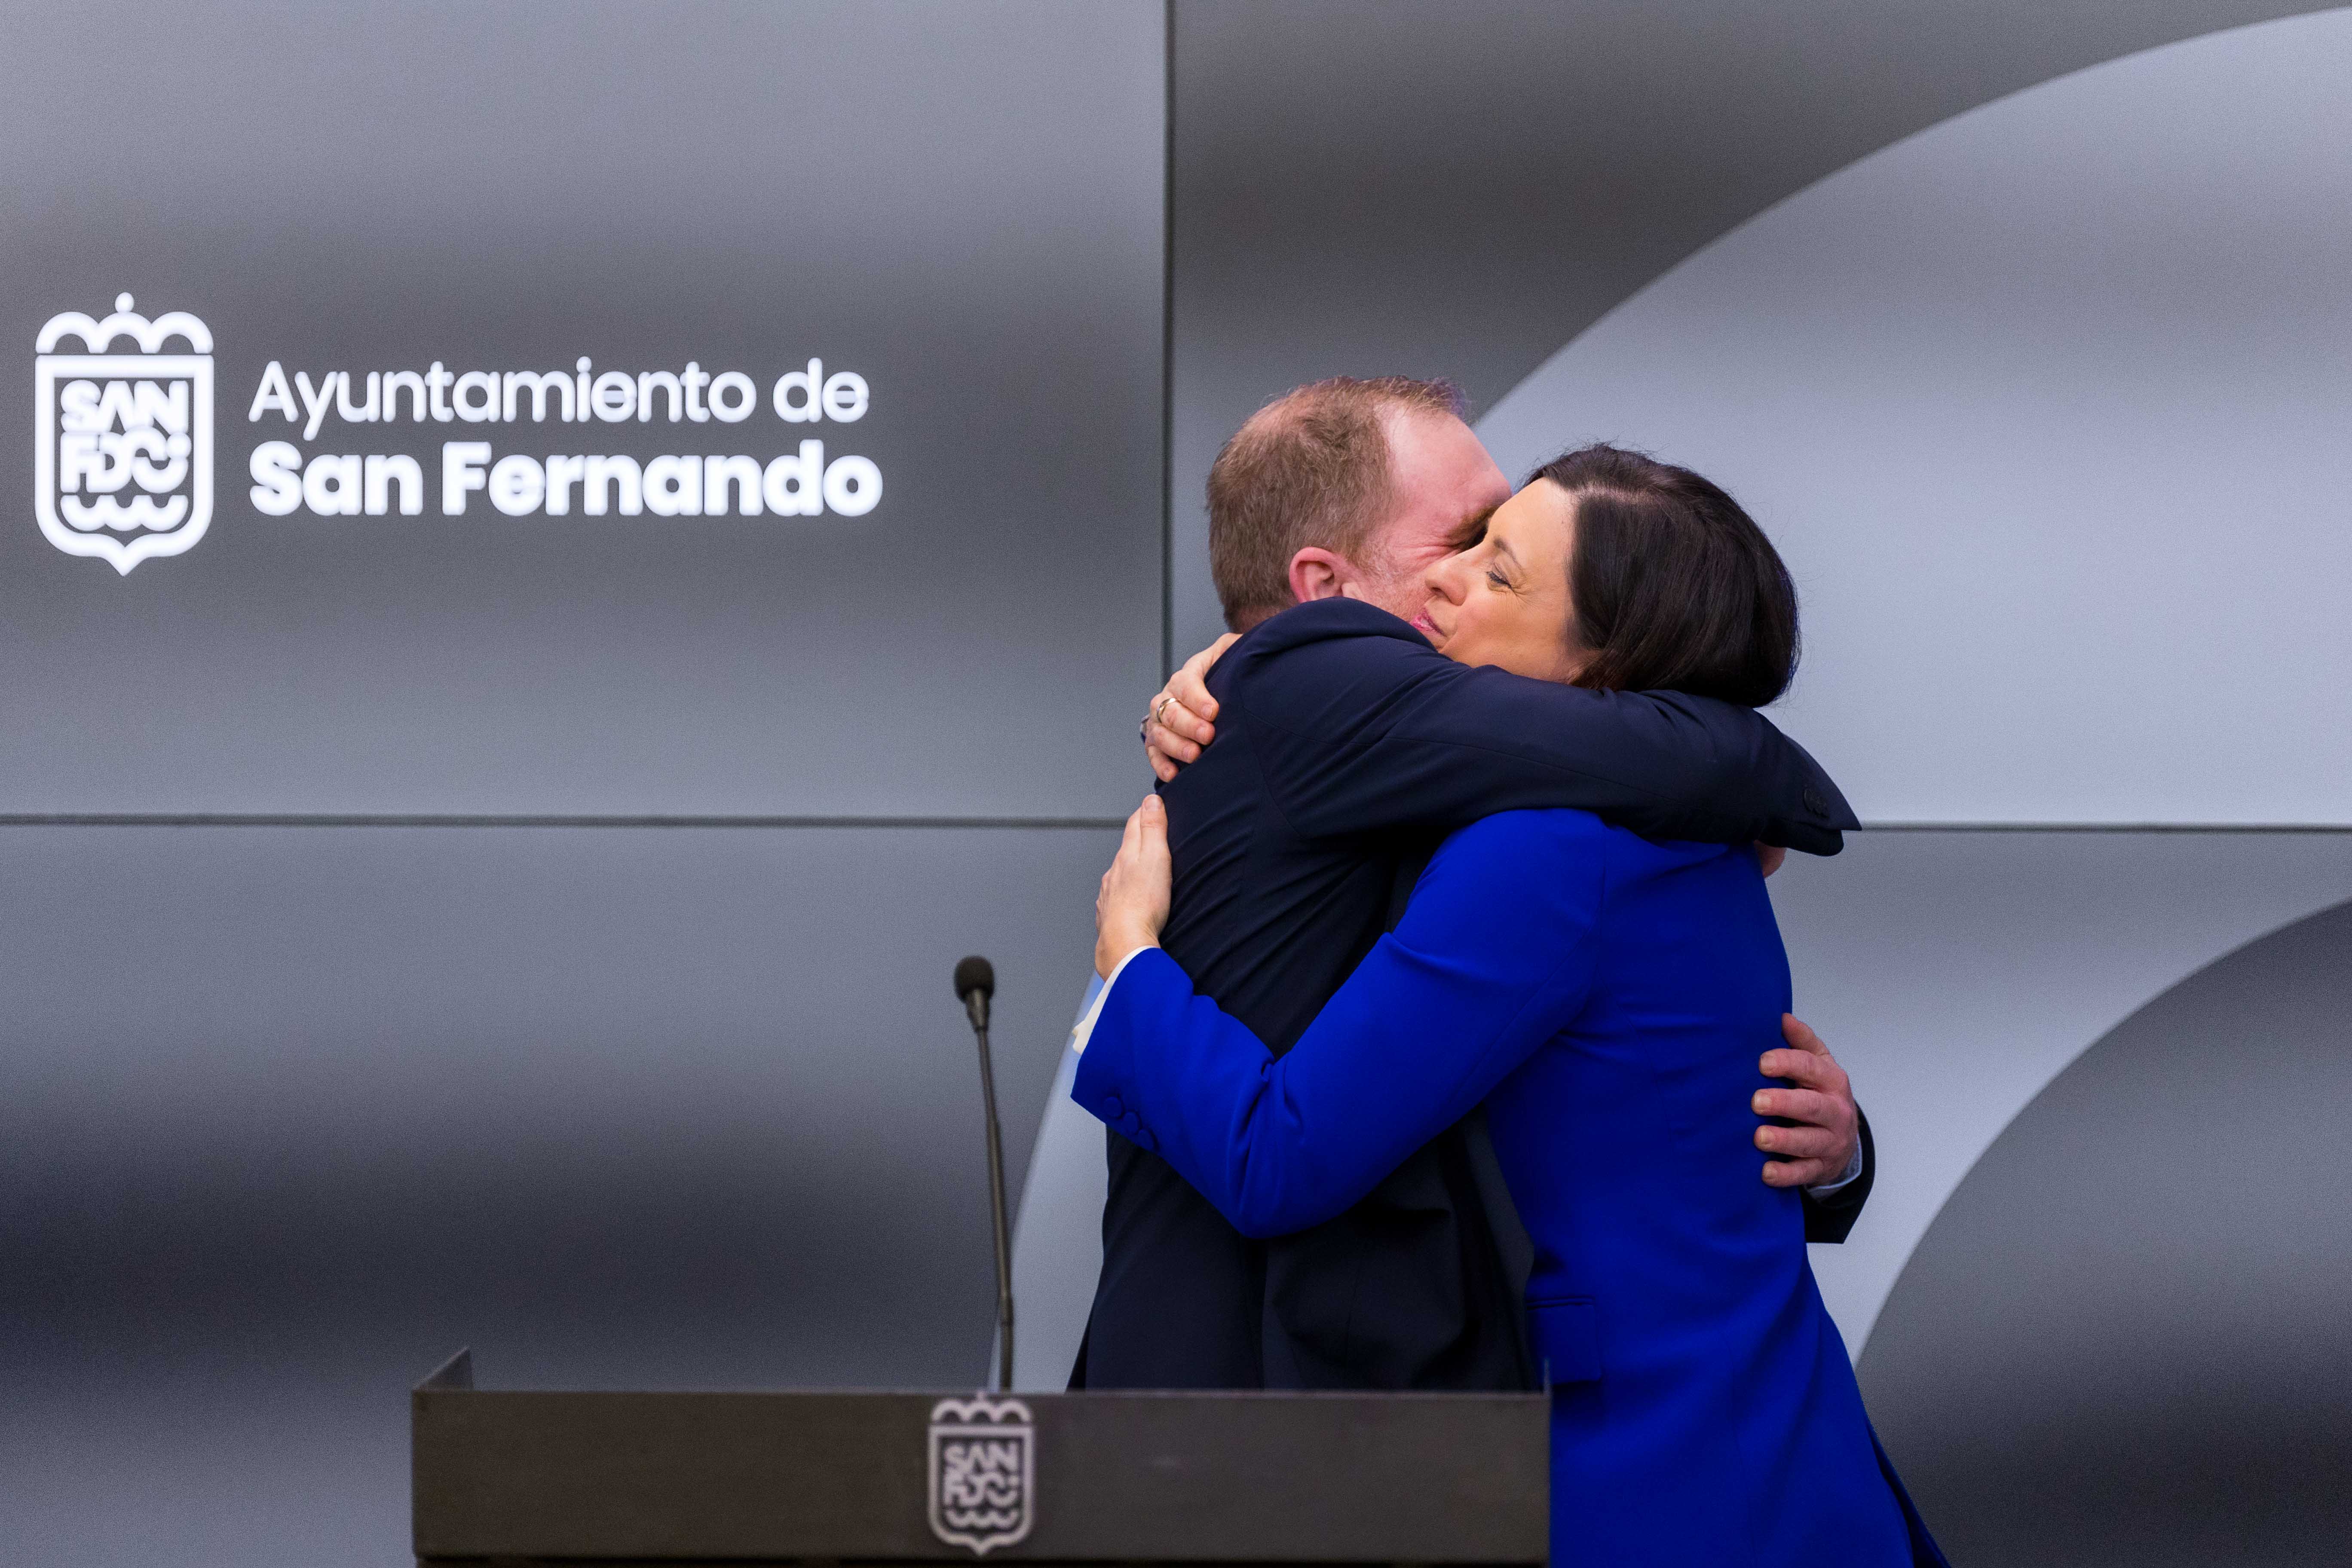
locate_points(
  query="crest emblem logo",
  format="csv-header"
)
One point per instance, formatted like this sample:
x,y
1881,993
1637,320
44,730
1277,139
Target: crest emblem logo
x,y
124,466
983,1473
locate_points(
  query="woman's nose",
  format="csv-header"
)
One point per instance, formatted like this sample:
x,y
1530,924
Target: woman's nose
x,y
1442,579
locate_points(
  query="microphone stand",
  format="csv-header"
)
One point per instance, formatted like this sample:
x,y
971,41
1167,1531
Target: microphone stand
x,y
975,1003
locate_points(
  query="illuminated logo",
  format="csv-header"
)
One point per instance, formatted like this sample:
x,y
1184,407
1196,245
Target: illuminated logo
x,y
983,1473
124,466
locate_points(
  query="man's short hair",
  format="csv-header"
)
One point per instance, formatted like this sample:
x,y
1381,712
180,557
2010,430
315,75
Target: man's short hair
x,y
1311,469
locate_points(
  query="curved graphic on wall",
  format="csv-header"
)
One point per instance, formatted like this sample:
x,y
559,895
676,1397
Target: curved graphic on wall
x,y
2124,1339
2047,406
1958,974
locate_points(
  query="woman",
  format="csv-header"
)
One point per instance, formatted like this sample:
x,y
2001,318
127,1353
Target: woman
x,y
1606,998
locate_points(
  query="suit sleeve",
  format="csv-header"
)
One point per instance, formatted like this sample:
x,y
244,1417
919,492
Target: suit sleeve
x,y
1494,957
1368,733
1831,1219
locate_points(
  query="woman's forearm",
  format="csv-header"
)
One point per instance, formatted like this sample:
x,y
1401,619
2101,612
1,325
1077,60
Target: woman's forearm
x,y
1178,1076
1407,1047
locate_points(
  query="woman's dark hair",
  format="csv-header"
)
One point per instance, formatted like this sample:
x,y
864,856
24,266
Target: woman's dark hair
x,y
1674,586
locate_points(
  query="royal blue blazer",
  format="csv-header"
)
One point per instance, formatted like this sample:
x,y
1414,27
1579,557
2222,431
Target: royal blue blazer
x,y
1606,998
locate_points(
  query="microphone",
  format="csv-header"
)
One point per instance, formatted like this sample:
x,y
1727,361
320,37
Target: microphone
x,y
975,984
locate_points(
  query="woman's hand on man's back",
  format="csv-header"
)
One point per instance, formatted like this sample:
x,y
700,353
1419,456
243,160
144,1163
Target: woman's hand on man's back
x,y
1179,724
1131,905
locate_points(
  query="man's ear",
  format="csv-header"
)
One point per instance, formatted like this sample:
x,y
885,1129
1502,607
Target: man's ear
x,y
1320,574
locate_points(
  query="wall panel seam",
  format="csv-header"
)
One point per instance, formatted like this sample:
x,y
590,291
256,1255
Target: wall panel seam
x,y
370,819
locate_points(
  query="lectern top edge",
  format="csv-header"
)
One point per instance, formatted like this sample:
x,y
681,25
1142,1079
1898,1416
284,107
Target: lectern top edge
x,y
458,1372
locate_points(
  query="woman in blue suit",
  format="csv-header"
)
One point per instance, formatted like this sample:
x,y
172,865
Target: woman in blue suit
x,y
1606,999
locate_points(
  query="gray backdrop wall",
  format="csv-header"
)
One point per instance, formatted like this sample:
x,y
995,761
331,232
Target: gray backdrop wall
x,y
292,1108
530,929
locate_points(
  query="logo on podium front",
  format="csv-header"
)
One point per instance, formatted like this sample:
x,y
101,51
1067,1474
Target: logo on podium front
x,y
983,1473
124,466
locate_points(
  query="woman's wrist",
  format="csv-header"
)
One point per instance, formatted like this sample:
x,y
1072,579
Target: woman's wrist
x,y
1113,948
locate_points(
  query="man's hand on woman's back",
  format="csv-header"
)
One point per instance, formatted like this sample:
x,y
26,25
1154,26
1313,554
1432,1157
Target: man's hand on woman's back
x,y
1821,1145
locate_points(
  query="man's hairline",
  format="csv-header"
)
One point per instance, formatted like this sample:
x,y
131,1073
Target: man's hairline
x,y
1394,411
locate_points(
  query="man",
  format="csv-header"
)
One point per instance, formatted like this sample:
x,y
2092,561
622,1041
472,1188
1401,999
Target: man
x,y
1344,748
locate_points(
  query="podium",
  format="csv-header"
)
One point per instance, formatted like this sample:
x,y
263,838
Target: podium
x,y
520,1478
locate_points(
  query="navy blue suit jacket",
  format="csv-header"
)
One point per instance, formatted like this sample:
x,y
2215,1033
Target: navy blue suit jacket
x,y
1346,748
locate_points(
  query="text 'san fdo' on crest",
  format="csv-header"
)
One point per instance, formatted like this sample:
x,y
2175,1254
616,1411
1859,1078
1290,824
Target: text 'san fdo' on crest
x,y
983,1473
123,469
